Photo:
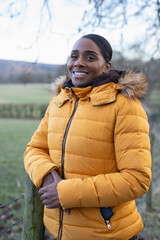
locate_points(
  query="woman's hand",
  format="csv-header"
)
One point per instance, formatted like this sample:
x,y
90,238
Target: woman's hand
x,y
48,192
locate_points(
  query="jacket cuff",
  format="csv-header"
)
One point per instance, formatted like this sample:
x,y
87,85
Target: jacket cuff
x,y
75,193
40,172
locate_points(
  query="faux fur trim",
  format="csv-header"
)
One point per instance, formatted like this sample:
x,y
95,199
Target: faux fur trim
x,y
133,85
58,83
130,84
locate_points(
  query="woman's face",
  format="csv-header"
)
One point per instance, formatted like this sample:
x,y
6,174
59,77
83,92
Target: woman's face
x,y
86,62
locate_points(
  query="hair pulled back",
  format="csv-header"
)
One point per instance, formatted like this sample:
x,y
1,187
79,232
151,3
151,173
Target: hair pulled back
x,y
103,45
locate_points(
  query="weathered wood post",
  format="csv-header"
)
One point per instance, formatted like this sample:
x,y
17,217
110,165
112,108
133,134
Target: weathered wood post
x,y
149,193
152,120
33,228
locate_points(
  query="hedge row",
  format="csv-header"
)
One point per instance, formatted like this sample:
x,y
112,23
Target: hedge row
x,y
32,111
37,111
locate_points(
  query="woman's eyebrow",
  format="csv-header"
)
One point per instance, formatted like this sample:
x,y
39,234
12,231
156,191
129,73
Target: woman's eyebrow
x,y
74,51
87,51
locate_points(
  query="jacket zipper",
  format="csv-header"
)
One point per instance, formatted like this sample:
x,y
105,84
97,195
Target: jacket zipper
x,y
62,163
108,223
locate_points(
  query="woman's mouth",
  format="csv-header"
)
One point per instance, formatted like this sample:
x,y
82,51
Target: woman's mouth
x,y
79,74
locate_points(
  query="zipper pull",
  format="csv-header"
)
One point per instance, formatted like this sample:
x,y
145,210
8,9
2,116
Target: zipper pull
x,y
70,95
70,92
108,223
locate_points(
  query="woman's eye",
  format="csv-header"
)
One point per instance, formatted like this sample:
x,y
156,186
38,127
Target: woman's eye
x,y
90,58
73,56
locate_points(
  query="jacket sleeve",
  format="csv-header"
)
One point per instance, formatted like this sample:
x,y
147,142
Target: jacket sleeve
x,y
37,160
132,151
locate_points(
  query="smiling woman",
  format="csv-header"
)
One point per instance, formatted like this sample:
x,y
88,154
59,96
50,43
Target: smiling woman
x,y
86,62
90,156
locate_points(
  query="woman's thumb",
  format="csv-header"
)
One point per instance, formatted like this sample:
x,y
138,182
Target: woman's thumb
x,y
55,175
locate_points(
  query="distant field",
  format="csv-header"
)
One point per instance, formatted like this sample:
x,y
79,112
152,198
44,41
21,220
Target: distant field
x,y
155,97
39,93
25,93
14,135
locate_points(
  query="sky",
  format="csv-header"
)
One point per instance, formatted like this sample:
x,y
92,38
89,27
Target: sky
x,y
54,44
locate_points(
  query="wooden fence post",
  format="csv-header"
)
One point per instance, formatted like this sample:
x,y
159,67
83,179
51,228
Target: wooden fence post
x,y
33,227
149,193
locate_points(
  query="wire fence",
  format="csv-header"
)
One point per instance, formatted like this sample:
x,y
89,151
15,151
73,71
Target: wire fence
x,y
16,222
33,227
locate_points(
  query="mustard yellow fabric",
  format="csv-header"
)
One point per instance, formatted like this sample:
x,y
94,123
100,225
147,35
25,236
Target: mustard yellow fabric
x,y
107,161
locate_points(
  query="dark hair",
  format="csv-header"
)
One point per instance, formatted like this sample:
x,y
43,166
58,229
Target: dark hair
x,y
103,44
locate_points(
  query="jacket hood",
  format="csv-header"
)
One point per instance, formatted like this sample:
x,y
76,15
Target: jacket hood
x,y
133,85
130,84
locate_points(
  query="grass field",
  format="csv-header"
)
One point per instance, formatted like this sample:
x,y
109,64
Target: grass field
x,y
25,93
39,93
155,97
14,135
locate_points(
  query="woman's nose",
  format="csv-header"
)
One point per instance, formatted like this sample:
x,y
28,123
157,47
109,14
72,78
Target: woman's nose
x,y
79,62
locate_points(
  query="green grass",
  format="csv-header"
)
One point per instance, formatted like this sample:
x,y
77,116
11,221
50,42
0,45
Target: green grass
x,y
25,93
155,97
38,93
14,135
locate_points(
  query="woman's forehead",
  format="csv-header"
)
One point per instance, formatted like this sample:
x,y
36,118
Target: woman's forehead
x,y
85,44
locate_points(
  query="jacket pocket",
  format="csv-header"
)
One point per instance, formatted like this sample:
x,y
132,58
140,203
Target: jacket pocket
x,y
106,214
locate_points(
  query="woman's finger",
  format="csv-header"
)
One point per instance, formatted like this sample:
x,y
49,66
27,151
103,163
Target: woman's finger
x,y
43,197
42,190
45,202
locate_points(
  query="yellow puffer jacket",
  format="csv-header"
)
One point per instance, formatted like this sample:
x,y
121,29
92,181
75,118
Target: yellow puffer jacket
x,y
96,137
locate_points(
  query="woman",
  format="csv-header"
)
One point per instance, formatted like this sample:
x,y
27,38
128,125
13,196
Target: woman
x,y
90,155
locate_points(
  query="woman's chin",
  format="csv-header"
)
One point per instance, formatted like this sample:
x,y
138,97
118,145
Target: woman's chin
x,y
79,81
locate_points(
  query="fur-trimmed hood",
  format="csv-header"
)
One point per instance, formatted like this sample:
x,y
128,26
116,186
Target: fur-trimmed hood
x,y
130,84
134,85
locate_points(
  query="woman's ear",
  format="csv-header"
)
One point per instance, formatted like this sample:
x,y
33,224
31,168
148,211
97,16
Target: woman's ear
x,y
108,66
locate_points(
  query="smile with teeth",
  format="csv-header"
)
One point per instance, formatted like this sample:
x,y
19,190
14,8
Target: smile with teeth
x,y
80,73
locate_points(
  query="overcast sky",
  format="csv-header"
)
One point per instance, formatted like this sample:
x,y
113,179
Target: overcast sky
x,y
53,45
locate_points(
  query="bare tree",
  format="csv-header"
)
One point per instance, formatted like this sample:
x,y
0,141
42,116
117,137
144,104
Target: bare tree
x,y
110,14
17,9
113,14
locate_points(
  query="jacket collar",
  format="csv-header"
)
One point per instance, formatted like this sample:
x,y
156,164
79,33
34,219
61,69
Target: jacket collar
x,y
104,89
